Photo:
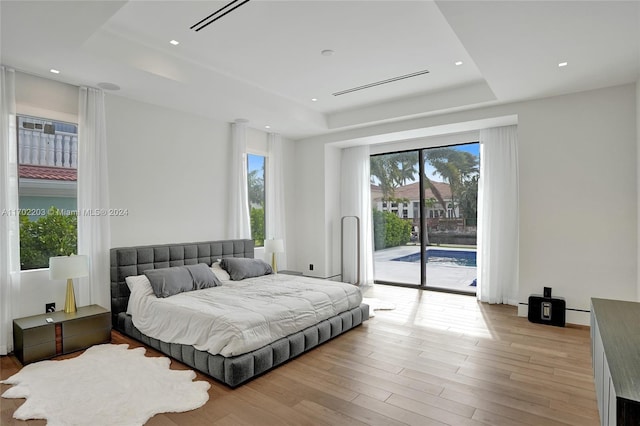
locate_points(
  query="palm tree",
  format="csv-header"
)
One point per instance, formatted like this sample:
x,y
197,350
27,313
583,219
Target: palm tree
x,y
408,167
392,171
379,171
435,191
469,200
256,187
455,166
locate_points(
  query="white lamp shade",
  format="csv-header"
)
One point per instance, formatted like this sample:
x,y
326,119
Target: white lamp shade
x,y
274,246
65,267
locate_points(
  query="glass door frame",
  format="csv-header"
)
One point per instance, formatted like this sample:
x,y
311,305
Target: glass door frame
x,y
423,224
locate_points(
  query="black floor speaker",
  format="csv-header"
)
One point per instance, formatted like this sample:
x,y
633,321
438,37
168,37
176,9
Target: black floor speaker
x,y
547,310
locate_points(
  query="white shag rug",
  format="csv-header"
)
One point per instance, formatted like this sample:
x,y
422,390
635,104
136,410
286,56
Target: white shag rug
x,y
377,305
106,385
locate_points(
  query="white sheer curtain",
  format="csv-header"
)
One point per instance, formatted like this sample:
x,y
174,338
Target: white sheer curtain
x,y
239,222
356,201
9,224
498,216
275,208
94,235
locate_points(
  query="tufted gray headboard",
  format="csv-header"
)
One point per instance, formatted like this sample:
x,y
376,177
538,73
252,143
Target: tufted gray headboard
x,y
127,261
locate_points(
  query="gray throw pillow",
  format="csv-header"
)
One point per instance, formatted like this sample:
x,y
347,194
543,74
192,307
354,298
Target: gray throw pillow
x,y
203,276
169,281
240,268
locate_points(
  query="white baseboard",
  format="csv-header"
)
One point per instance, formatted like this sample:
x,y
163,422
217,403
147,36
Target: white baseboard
x,y
572,316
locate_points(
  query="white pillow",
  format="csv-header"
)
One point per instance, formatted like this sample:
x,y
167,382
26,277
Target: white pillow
x,y
140,286
135,281
220,273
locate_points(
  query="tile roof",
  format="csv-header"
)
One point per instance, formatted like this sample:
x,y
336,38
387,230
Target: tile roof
x,y
29,171
412,190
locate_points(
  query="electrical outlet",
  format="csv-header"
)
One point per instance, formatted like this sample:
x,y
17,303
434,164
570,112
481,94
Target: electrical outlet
x,y
311,266
50,307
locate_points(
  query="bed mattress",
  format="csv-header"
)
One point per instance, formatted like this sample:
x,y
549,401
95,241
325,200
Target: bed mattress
x,y
241,316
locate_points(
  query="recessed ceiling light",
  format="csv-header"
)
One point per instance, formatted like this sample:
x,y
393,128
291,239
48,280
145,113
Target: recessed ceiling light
x,y
314,100
54,71
458,63
327,52
174,42
267,127
563,64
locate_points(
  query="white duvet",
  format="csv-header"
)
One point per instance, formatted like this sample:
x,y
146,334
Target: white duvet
x,y
240,316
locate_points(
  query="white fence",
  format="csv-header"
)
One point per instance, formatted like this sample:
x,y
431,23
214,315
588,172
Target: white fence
x,y
41,149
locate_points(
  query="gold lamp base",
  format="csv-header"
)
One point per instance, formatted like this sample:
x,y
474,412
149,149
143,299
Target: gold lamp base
x,y
274,265
70,299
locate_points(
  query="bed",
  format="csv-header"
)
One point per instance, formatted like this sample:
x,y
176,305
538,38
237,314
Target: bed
x,y
232,370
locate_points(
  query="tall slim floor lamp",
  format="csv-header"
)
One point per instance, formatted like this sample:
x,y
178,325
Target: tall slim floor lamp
x,y
69,267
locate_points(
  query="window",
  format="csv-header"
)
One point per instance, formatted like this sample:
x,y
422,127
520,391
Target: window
x,y
256,194
47,190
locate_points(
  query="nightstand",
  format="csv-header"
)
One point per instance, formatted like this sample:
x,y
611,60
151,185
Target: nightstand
x,y
36,339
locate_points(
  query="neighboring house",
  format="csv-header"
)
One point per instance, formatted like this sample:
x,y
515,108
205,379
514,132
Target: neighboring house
x,y
48,153
406,201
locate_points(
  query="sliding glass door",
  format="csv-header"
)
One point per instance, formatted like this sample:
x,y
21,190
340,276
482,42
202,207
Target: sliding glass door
x,y
395,199
425,215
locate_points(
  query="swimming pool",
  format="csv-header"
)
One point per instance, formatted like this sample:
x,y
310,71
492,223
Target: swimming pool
x,y
443,257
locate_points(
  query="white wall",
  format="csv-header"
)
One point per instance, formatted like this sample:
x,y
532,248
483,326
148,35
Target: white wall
x,y
41,97
316,224
577,159
333,214
577,154
169,170
291,203
308,229
36,290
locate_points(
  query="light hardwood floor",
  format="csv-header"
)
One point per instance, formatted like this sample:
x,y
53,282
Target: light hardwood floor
x,y
436,359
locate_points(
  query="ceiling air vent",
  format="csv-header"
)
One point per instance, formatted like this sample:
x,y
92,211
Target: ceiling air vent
x,y
379,83
224,10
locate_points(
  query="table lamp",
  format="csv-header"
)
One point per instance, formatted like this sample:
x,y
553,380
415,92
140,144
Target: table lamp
x,y
69,267
274,246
